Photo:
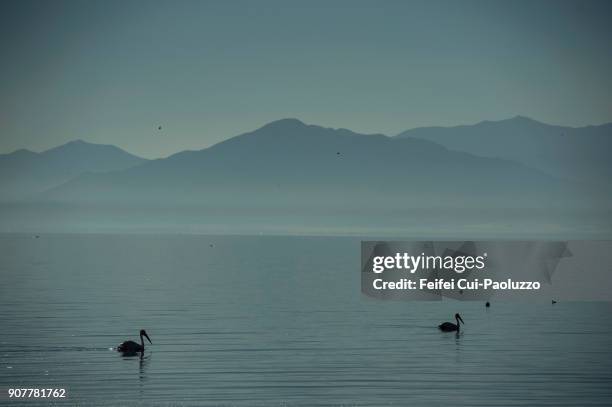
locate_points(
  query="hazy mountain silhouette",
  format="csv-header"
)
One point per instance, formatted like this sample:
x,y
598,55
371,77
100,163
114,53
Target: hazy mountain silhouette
x,y
24,173
581,153
287,163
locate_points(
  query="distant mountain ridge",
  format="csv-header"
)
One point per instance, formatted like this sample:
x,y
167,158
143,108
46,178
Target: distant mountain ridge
x,y
575,153
287,163
24,173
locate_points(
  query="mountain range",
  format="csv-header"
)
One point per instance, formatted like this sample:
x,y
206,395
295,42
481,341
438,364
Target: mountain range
x,y
575,153
24,173
506,164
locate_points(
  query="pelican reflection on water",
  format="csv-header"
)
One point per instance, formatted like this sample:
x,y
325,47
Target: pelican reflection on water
x,y
131,347
450,327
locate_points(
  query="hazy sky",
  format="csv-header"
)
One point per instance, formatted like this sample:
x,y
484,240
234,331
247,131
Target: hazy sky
x,y
112,71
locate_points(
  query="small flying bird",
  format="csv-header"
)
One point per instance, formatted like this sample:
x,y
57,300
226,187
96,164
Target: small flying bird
x,y
131,347
159,127
554,302
449,326
488,304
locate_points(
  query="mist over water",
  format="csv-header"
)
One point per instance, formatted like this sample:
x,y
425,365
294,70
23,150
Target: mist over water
x,y
397,221
274,321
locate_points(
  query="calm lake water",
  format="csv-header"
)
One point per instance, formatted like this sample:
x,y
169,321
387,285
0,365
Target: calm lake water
x,y
273,321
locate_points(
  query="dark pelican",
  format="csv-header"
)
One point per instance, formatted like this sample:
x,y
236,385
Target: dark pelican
x,y
131,347
449,326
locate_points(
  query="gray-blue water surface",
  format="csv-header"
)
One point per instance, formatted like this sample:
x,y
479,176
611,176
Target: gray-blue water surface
x,y
268,321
